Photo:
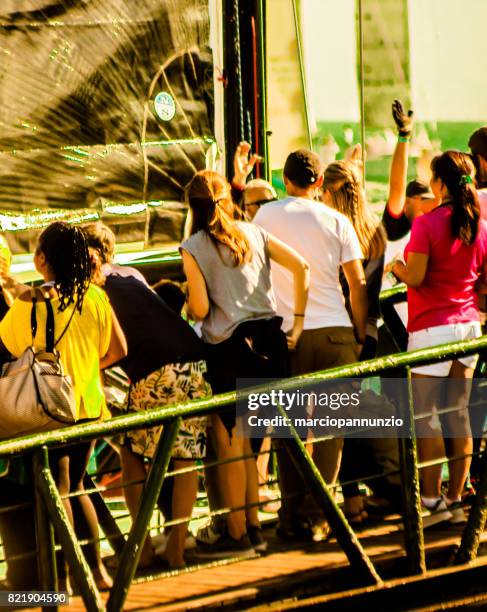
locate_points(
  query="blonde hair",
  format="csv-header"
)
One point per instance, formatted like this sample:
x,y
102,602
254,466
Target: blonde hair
x,y
212,208
342,182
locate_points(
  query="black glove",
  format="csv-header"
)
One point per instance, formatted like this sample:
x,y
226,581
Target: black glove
x,y
369,349
404,122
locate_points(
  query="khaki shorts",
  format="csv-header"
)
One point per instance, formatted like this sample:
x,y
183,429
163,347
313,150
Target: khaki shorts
x,y
323,348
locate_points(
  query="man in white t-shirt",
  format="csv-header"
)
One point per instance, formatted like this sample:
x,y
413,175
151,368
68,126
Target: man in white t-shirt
x,y
327,240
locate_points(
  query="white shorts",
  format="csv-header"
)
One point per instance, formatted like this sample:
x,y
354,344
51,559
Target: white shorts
x,y
441,334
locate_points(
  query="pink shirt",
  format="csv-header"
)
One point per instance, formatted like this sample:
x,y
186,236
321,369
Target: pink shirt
x,y
446,294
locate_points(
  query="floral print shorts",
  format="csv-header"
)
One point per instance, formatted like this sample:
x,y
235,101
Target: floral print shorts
x,y
172,384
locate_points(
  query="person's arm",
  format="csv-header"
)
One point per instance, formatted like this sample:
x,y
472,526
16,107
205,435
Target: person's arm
x,y
117,349
413,272
243,165
10,288
354,273
399,163
288,258
198,302
398,179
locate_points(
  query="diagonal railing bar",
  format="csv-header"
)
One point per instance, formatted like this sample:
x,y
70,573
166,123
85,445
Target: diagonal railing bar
x,y
477,520
131,552
344,534
71,548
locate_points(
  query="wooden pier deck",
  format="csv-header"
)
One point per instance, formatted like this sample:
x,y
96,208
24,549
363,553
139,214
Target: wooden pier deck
x,y
285,572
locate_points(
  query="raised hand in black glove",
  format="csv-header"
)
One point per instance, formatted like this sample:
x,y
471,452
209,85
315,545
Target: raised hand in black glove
x,y
403,120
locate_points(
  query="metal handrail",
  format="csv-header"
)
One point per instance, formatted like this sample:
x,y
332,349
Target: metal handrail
x,y
121,424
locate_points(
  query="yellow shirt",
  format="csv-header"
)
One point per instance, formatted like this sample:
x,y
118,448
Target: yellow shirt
x,y
86,340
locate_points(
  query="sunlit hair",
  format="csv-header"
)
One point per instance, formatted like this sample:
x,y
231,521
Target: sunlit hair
x,y
210,201
101,244
452,167
65,249
100,237
344,186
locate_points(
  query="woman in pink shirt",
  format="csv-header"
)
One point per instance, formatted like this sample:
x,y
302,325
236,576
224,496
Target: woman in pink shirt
x,y
446,255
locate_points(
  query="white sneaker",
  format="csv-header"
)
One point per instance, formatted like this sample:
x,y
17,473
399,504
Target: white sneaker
x,y
208,534
160,542
457,512
438,513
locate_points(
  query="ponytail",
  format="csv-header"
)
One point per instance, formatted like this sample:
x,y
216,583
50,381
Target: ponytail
x,y
344,186
213,212
455,170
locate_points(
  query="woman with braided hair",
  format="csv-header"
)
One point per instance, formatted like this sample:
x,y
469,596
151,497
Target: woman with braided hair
x,y
446,260
91,340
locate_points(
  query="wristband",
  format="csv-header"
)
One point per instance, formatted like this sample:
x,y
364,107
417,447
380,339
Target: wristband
x,y
404,138
298,315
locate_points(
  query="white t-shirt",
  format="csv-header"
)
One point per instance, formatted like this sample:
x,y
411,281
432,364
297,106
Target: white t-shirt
x,y
326,239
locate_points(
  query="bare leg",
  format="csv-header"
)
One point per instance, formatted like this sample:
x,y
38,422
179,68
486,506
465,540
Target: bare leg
x,y
426,395
327,457
252,488
183,499
70,472
458,424
232,476
263,460
133,469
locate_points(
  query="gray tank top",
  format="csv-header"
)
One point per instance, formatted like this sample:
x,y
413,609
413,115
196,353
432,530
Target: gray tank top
x,y
237,293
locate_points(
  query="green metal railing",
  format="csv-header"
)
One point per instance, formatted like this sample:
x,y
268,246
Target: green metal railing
x,y
50,510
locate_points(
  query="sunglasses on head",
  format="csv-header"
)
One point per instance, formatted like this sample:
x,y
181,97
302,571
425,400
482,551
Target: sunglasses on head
x,y
261,202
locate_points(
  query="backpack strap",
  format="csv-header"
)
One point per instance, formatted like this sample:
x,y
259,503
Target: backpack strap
x,y
49,326
33,318
51,343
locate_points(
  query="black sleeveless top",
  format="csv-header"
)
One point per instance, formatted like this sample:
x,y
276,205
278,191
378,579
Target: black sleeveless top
x,y
156,335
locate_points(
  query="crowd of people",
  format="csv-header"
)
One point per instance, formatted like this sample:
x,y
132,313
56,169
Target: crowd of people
x,y
275,288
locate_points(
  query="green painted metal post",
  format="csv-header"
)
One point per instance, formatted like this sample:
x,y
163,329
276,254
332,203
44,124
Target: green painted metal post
x,y
413,522
105,518
46,554
77,563
132,549
302,70
261,53
344,534
476,521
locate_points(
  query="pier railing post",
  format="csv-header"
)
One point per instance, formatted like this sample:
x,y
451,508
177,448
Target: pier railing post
x,y
71,548
476,521
413,523
46,553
